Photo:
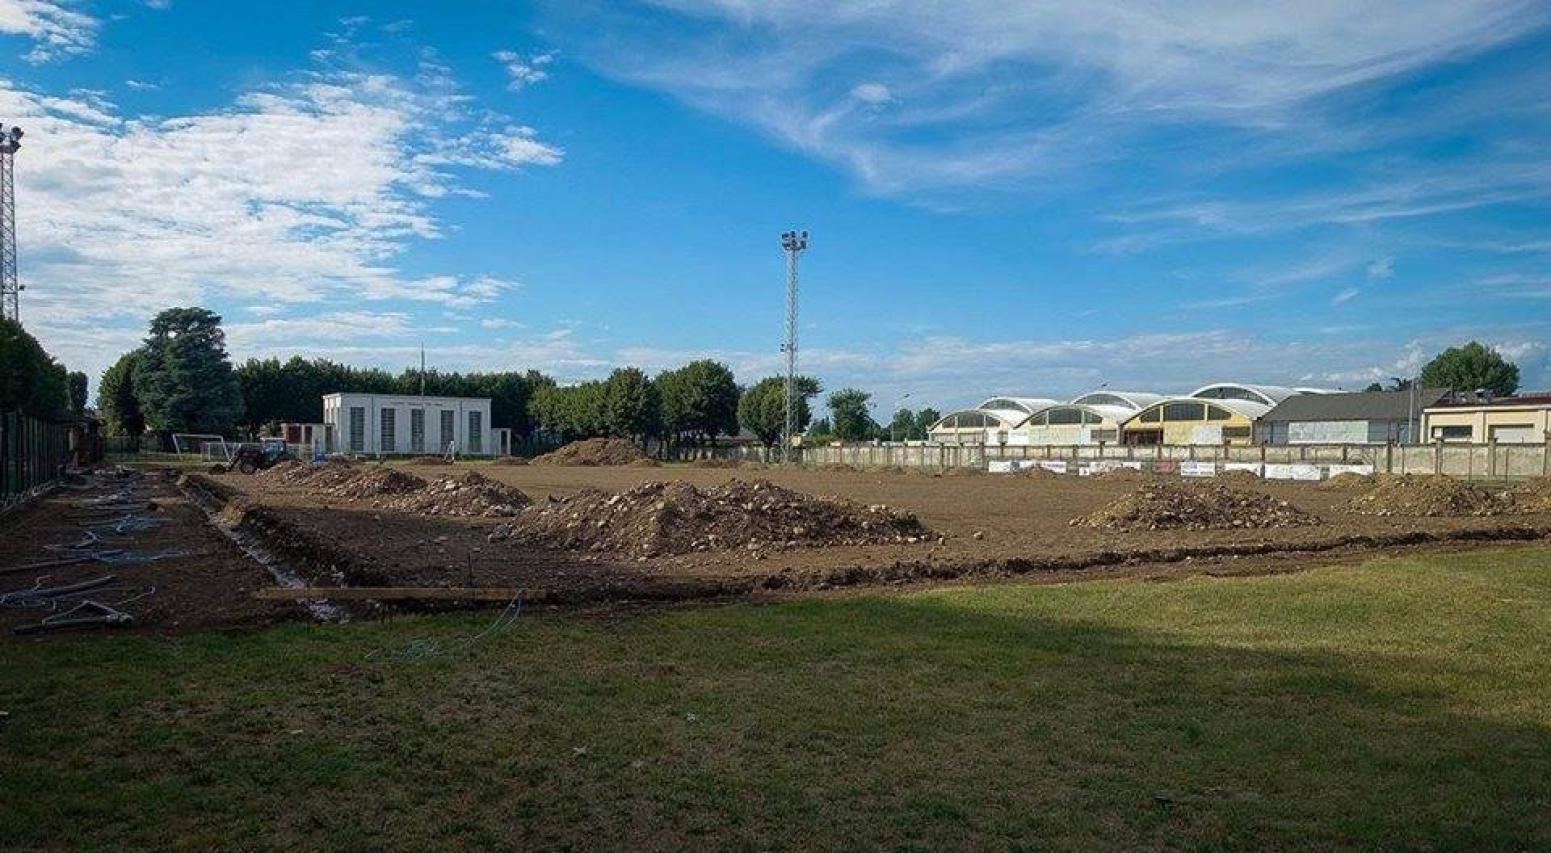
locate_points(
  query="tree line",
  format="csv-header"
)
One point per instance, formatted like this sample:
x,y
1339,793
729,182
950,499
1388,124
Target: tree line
x,y
181,379
33,382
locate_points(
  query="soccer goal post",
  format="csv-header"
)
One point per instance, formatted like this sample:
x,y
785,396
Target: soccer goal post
x,y
203,445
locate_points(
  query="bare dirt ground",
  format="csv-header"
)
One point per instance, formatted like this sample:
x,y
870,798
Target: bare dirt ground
x,y
179,573
979,529
982,527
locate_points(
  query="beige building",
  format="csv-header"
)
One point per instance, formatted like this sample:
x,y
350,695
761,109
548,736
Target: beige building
x,y
1506,420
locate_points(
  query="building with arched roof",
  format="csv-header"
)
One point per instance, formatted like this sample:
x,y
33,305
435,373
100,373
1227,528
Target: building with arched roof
x,y
1132,400
1071,423
1267,395
1194,420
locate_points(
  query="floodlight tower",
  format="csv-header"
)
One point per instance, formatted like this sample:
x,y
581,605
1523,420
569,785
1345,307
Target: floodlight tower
x,y
10,285
792,242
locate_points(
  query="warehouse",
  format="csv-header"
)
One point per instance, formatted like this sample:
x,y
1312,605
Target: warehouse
x,y
389,424
998,420
1369,417
1481,418
1188,420
1265,395
1070,423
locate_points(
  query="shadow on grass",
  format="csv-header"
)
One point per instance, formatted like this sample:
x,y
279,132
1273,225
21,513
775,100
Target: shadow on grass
x,y
911,722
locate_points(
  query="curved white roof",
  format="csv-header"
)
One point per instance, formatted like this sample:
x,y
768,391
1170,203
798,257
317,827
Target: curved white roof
x,y
1132,400
1011,418
1247,408
1026,405
1116,414
1268,394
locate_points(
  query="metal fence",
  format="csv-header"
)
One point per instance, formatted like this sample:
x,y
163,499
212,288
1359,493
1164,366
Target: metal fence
x,y
32,454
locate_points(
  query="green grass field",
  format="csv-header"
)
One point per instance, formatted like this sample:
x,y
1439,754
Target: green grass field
x,y
1399,704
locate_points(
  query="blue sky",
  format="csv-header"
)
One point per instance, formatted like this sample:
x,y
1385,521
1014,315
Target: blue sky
x,y
1003,197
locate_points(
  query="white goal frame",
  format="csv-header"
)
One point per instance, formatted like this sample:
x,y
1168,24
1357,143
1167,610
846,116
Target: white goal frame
x,y
207,445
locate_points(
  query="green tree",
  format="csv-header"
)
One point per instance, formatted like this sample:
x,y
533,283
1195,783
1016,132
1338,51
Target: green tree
x,y
924,420
31,380
848,411
184,379
1470,367
77,389
116,400
762,408
699,400
630,402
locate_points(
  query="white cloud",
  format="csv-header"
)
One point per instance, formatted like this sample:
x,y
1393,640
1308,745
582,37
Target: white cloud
x,y
872,93
1382,269
524,71
1344,296
991,91
297,193
55,27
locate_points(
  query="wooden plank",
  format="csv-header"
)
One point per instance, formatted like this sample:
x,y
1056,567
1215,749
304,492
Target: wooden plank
x,y
394,593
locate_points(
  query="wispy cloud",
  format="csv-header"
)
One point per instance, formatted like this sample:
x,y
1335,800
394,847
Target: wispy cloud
x,y
57,28
524,71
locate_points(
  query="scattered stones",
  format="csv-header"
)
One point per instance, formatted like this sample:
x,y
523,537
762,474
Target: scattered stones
x,y
1427,495
1194,506
1533,495
375,482
593,452
662,518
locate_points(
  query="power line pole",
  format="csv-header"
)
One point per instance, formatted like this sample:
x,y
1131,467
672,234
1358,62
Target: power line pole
x,y
792,242
10,284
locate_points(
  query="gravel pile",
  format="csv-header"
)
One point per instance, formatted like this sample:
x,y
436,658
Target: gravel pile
x,y
376,481
593,452
660,518
1426,495
1194,506
469,494
324,475
1533,495
1348,482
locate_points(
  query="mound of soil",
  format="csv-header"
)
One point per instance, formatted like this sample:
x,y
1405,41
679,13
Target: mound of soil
x,y
1533,495
376,481
1194,506
661,518
468,494
509,460
1125,474
1240,478
1426,495
593,452
322,474
1349,482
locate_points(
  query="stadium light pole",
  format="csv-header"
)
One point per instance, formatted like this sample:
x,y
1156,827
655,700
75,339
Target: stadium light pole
x,y
792,243
10,284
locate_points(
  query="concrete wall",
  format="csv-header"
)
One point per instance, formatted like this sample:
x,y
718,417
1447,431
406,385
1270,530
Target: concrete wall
x,y
1475,461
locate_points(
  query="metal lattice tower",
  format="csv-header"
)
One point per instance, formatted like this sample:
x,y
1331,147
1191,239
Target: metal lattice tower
x,y
793,242
10,285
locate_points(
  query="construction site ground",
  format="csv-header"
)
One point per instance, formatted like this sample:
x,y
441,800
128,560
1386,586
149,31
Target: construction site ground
x,y
981,527
978,529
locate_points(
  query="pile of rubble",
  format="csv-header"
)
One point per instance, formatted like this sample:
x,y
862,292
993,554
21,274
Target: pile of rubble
x,y
375,481
662,518
1349,482
467,494
323,475
1533,495
593,452
1426,495
1194,506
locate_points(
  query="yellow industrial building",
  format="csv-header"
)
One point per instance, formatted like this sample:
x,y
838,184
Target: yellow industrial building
x,y
1480,419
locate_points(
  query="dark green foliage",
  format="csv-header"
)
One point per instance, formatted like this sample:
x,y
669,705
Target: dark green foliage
x,y
1470,367
631,405
848,410
30,379
699,401
762,409
924,420
77,390
184,380
116,401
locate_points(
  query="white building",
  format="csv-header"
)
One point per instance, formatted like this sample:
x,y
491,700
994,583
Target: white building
x,y
385,424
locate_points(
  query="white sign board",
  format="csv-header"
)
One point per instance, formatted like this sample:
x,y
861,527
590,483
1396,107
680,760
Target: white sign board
x,y
1103,465
1193,468
1333,470
1002,466
1057,466
1295,471
1252,467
